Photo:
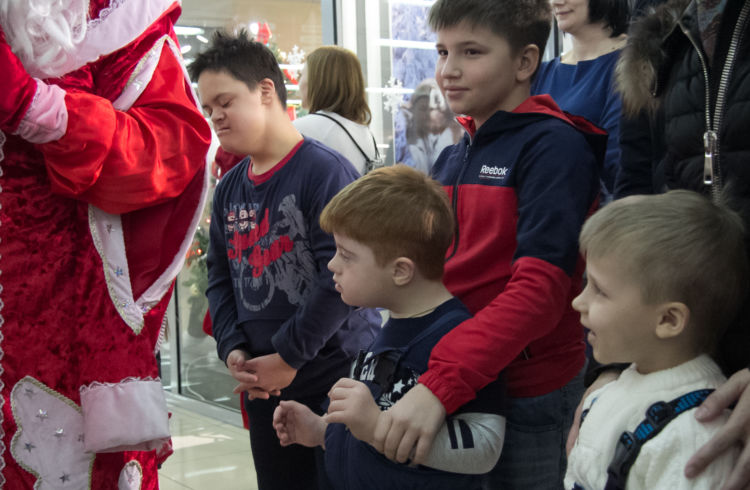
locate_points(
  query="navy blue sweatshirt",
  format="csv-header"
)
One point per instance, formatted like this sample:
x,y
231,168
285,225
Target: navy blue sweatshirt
x,y
269,287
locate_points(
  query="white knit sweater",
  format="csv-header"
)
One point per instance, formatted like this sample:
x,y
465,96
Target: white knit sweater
x,y
621,405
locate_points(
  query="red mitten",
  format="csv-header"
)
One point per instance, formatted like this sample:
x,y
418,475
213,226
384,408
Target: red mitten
x,y
17,87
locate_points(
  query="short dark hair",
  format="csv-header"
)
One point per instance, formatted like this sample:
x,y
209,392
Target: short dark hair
x,y
614,13
246,60
519,22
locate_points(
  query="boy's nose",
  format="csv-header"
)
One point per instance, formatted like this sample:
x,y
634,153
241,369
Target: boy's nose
x,y
578,303
449,69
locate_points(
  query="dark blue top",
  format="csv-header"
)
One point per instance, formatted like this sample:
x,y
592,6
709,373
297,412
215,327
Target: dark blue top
x,y
269,287
587,89
355,465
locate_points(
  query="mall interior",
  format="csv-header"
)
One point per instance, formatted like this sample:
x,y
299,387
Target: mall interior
x,y
397,52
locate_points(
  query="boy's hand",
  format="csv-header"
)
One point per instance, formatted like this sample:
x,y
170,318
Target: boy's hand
x,y
237,362
735,431
272,373
604,378
410,426
352,405
297,424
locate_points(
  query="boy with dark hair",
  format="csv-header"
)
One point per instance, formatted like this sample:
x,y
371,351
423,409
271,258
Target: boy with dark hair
x,y
392,228
278,322
666,277
522,182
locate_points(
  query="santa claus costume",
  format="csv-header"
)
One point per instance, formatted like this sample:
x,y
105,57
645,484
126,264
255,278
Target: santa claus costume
x,y
103,181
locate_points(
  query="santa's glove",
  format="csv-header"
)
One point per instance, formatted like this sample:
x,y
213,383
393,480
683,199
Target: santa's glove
x,y
29,107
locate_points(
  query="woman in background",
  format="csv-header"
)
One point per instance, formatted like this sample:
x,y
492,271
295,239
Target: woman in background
x,y
332,89
581,80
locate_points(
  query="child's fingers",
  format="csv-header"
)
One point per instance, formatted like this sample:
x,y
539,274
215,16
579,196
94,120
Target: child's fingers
x,y
342,383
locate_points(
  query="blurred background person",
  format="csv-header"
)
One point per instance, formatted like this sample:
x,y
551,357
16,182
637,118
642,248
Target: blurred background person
x,y
430,127
581,79
332,89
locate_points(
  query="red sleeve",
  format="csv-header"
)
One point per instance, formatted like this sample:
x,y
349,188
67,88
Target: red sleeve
x,y
529,308
122,161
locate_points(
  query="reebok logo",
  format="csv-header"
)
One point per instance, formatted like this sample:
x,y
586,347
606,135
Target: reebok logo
x,y
488,172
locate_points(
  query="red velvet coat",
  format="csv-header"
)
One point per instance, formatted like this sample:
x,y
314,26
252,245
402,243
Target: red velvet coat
x,y
94,227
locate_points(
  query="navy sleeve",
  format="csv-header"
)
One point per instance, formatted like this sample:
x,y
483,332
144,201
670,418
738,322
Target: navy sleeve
x,y
301,337
220,292
556,185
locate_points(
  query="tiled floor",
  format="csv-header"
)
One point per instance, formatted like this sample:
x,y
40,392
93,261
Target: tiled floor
x,y
208,454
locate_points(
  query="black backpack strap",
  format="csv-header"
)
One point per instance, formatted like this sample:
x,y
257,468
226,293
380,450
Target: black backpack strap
x,y
629,445
370,162
388,361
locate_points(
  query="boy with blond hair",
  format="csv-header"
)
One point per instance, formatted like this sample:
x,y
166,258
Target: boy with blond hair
x,y
278,322
392,228
521,182
666,276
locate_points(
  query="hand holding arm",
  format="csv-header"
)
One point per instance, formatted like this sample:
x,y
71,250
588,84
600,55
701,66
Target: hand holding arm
x,y
272,374
297,424
735,431
410,426
352,405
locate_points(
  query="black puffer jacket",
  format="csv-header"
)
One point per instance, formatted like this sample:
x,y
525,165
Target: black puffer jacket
x,y
662,80
663,83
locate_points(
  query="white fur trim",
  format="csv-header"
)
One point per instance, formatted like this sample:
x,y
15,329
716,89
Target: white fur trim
x,y
127,416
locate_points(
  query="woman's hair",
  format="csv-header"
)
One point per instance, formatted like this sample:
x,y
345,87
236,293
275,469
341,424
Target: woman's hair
x,y
335,83
614,13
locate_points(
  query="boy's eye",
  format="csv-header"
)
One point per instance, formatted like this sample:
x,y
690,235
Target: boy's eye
x,y
596,289
472,52
442,52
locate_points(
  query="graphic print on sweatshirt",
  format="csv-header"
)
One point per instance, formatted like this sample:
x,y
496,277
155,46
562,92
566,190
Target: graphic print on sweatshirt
x,y
377,367
268,252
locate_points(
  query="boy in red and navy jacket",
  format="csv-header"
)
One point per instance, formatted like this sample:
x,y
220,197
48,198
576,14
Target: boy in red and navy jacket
x,y
522,181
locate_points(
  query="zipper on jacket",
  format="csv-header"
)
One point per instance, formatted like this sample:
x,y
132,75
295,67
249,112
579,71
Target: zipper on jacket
x,y
711,145
454,200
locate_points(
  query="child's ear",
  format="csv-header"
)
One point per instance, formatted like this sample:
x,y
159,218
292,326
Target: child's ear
x,y
528,59
673,320
403,271
267,90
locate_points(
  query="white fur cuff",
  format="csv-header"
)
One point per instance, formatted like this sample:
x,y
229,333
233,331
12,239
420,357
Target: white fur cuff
x,y
128,416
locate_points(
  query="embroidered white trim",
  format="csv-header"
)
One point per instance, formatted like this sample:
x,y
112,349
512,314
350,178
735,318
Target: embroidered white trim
x,y
129,379
131,476
162,334
49,441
